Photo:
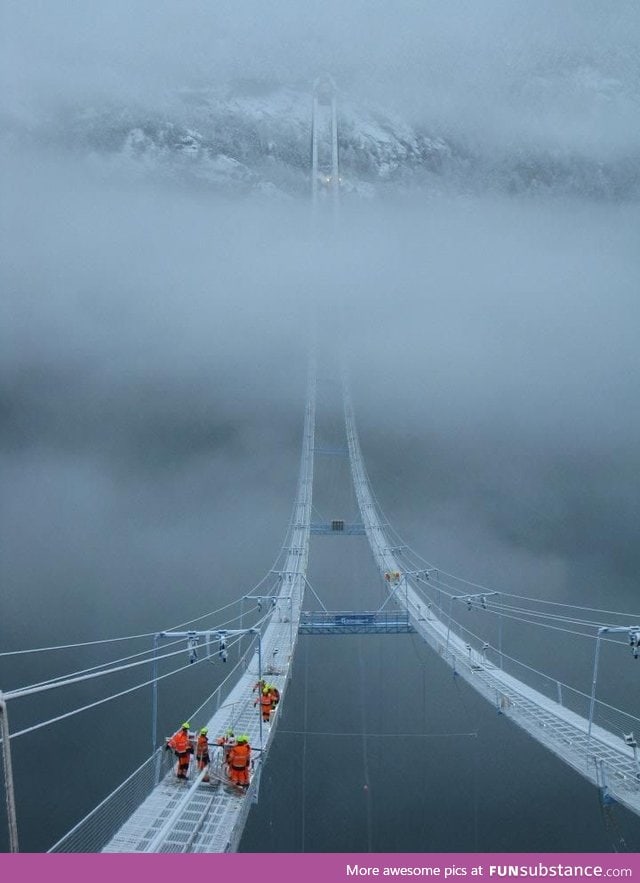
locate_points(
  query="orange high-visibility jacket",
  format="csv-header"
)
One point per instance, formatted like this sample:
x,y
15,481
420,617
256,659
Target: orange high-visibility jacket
x,y
179,742
203,746
239,756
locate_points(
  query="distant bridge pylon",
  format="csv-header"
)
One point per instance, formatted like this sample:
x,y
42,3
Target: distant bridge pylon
x,y
325,170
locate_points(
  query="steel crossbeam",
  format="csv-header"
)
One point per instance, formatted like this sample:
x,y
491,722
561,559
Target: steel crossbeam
x,y
353,622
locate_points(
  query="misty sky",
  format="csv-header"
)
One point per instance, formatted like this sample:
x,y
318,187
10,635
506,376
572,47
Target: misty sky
x,y
153,339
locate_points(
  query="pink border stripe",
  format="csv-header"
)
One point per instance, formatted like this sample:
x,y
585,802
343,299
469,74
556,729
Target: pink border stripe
x,y
321,867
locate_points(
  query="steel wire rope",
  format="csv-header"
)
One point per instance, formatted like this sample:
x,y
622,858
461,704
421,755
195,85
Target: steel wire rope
x,y
383,519
113,662
71,835
102,665
529,613
91,643
534,600
614,723
556,617
432,566
529,667
139,686
502,593
239,662
367,481
130,637
461,627
30,691
315,511
376,735
145,763
333,482
609,707
542,674
544,625
418,557
501,609
43,688
571,606
75,711
495,606
76,645
419,586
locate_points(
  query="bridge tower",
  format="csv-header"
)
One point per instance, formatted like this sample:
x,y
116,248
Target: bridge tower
x,y
325,171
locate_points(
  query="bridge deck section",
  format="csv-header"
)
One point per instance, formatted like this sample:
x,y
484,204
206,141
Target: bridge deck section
x,y
199,816
602,757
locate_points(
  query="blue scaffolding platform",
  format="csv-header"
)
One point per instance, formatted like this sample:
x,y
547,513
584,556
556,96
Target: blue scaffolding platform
x,y
337,527
354,622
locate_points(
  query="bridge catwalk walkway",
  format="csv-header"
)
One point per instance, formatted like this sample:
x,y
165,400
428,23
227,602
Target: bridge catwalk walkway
x,y
195,816
603,757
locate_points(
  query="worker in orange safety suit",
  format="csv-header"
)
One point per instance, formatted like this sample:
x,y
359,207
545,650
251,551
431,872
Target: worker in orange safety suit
x,y
226,742
202,752
275,695
239,759
181,745
266,702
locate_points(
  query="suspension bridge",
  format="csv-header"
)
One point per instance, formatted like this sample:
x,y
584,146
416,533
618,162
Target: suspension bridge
x,y
151,812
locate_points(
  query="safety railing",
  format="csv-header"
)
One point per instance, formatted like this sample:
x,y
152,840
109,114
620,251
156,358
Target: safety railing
x,y
95,830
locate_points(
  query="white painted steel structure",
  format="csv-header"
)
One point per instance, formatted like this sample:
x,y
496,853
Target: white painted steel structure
x,y
601,756
325,172
153,812
195,816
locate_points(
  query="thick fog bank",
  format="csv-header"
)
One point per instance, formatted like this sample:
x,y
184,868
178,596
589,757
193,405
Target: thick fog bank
x,y
154,357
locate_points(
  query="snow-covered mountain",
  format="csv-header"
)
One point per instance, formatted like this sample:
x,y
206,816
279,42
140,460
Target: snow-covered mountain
x,y
251,137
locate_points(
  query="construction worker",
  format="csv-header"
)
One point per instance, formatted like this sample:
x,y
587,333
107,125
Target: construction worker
x,y
275,695
239,759
181,745
266,700
226,742
226,737
259,686
202,752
